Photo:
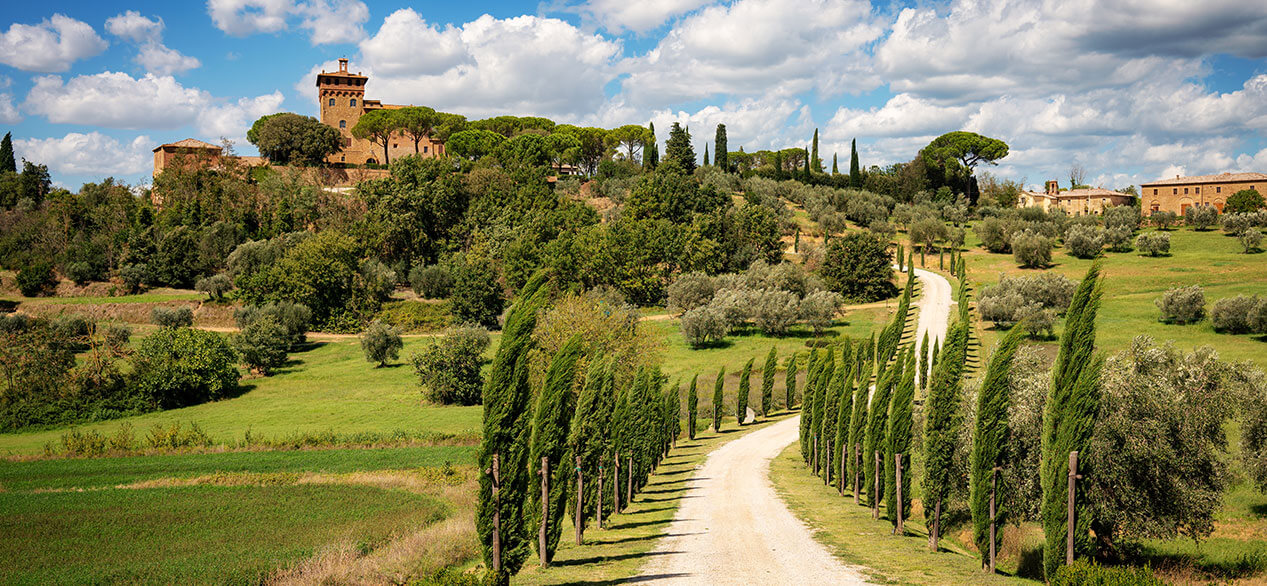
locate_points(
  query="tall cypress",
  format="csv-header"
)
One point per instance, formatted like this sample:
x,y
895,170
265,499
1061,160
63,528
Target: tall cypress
x,y
705,154
835,166
831,413
719,386
825,372
7,162
678,148
721,158
692,406
923,363
844,419
653,149
990,441
507,408
858,420
549,442
807,404
901,407
816,164
590,434
745,384
877,427
778,166
1071,407
943,417
789,382
767,382
855,170
806,177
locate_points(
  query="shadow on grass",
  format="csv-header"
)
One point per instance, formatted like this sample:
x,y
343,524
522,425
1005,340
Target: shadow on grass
x,y
610,558
641,524
1259,510
640,538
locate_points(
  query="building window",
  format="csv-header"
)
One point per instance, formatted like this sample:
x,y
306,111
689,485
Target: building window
x,y
1196,189
1176,191
343,124
1185,191
352,103
331,102
342,158
394,145
1154,191
1218,190
424,150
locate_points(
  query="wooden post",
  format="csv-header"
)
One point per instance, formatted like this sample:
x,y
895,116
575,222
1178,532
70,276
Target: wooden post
x,y
629,482
935,534
580,502
1072,512
545,510
616,485
900,530
814,457
840,475
875,492
857,471
826,459
994,487
599,492
497,517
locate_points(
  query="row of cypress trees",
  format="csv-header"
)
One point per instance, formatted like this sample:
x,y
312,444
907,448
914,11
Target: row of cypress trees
x,y
576,427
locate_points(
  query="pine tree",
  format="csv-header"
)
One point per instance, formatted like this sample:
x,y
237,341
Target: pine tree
x,y
855,171
789,382
767,382
990,441
705,154
721,158
923,363
590,435
943,417
901,407
835,166
877,427
678,148
745,380
549,443
652,157
692,405
507,408
816,164
7,162
1068,416
719,385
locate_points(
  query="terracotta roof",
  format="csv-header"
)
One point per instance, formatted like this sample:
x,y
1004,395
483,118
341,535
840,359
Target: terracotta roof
x,y
1077,193
188,143
1220,178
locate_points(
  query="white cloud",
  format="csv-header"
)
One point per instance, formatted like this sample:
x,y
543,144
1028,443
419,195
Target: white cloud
x,y
638,16
902,115
49,46
8,112
754,124
158,59
136,28
233,119
407,45
328,21
88,154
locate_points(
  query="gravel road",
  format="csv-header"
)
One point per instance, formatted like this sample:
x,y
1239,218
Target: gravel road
x,y
733,528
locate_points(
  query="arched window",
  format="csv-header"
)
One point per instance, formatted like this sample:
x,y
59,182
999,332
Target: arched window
x,y
331,102
343,124
353,103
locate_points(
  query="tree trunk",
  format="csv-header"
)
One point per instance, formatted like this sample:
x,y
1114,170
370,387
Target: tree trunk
x,y
599,492
1072,512
875,491
497,517
899,528
840,474
629,482
580,502
994,487
934,535
857,472
826,458
616,485
545,511
814,457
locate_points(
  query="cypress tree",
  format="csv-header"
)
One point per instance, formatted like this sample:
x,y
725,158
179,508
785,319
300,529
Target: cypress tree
x,y
990,441
816,164
624,424
719,385
1068,418
936,351
923,363
806,177
705,154
855,170
767,382
692,405
590,435
549,442
844,419
507,408
835,166
741,403
858,420
825,373
7,162
901,406
678,148
789,382
834,397
877,427
653,149
778,166
807,404
941,427
672,417
721,157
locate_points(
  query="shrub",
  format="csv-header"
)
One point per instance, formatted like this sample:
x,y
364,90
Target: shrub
x,y
172,317
431,282
1201,217
819,308
476,296
1234,224
294,318
1085,241
1244,201
1122,217
1258,317
1154,243
996,234
1118,239
449,370
689,291
775,311
262,344
1089,573
81,272
176,367
704,324
381,343
36,280
176,436
117,337
1039,298
1182,305
215,286
377,282
1164,220
133,277
1254,434
1251,238
1231,314
412,316
858,266
1031,249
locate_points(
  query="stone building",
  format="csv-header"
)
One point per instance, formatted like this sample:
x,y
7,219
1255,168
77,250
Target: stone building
x,y
1075,202
185,152
342,98
1178,194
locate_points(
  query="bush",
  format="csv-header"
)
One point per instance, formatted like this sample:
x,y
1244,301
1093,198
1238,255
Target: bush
x,y
689,291
36,280
172,317
176,436
1085,241
704,324
1231,314
81,272
1031,250
117,337
1089,573
381,343
859,267
262,344
177,367
1118,239
133,277
1251,238
377,282
1234,224
1201,217
996,234
1039,298
215,286
1258,317
294,318
1254,434
1154,243
449,370
1122,217
775,311
819,309
411,316
1244,201
1182,305
1164,220
476,296
431,282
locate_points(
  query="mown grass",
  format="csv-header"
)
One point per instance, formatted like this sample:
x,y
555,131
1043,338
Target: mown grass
x,y
154,297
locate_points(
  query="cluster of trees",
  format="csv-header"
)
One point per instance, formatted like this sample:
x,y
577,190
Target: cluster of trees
x,y
25,189
1034,301
1246,226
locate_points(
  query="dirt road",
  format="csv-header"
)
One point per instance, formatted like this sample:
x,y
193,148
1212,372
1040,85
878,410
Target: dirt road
x,y
732,527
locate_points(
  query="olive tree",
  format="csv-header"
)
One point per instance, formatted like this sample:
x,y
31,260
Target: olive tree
x,y
449,370
381,343
1182,305
1154,243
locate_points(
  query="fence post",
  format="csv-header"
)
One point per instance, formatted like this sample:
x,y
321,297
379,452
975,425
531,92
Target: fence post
x,y
900,529
875,491
826,458
580,502
497,517
616,485
545,509
994,487
599,492
629,481
1072,512
857,471
814,458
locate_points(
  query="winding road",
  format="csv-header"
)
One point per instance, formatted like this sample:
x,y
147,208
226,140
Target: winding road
x,y
733,528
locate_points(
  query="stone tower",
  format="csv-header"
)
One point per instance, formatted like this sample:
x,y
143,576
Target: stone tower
x,y
342,99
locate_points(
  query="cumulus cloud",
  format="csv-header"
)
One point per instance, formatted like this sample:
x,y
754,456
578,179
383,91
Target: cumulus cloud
x,y
153,55
327,21
622,15
136,28
231,120
161,60
88,154
50,46
407,45
8,112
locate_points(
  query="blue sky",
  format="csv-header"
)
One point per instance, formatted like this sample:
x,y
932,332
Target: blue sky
x,y
1130,90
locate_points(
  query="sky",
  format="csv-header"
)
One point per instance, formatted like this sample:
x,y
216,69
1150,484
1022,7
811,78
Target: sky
x,y
1129,90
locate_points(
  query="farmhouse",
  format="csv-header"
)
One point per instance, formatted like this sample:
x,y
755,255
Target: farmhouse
x,y
1075,202
342,98
1178,194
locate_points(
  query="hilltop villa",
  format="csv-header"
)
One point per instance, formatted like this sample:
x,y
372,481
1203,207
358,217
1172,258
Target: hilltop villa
x,y
1178,194
1075,202
342,98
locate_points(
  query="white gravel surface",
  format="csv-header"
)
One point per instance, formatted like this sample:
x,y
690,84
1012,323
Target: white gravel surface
x,y
934,309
